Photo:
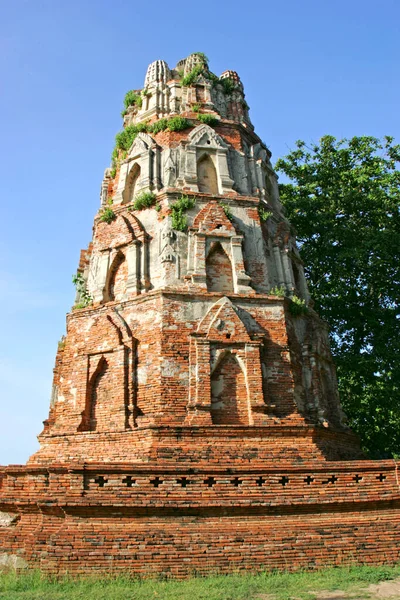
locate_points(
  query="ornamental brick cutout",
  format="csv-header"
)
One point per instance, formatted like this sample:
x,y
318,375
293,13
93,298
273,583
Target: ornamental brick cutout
x,y
194,421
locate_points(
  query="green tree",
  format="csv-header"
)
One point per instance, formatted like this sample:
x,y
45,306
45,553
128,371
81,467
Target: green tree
x,y
343,199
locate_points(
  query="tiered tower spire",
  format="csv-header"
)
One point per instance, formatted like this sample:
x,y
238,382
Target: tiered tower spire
x,y
195,423
193,307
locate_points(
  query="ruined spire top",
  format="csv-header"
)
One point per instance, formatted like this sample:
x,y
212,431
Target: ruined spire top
x,y
190,85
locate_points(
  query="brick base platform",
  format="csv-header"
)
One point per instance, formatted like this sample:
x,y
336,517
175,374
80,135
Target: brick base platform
x,y
181,521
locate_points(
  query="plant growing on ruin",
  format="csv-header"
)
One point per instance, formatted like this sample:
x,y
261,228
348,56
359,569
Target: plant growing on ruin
x,y
191,77
107,215
80,285
178,209
208,119
297,306
228,85
144,200
125,138
227,210
160,125
202,56
278,291
264,214
196,107
178,124
132,98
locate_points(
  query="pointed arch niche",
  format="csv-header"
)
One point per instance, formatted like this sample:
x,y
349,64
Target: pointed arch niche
x,y
121,263
117,278
225,386
134,177
229,397
215,256
207,175
219,277
140,170
109,400
204,162
100,397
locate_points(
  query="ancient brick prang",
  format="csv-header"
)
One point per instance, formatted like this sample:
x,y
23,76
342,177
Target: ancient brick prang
x,y
195,421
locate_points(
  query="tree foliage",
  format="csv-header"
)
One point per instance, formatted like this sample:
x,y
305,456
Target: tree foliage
x,y
343,199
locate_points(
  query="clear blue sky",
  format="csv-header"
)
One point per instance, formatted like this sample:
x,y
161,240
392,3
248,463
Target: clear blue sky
x,y
310,67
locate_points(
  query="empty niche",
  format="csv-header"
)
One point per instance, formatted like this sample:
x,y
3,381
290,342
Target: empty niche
x,y
219,271
207,176
229,402
100,396
296,275
133,179
118,278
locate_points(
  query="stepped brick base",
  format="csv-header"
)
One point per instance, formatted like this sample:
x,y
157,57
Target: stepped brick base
x,y
180,521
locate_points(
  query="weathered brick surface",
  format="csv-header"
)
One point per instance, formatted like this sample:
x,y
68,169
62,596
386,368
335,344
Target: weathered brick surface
x,y
195,424
182,521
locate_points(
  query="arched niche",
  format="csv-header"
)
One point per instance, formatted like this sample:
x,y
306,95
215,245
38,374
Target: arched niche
x,y
126,235
133,179
225,385
100,397
211,226
229,397
207,175
108,400
219,276
204,141
145,154
118,278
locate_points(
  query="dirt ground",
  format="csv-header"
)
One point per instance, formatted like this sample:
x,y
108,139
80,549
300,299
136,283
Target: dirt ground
x,y
385,589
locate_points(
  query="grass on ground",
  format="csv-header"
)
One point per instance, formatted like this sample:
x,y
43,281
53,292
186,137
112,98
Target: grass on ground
x,y
277,585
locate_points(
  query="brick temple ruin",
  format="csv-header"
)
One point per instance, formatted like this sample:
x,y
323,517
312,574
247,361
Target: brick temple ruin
x,y
195,423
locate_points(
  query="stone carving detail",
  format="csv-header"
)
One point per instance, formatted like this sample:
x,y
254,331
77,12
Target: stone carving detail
x,y
170,167
167,250
157,72
320,379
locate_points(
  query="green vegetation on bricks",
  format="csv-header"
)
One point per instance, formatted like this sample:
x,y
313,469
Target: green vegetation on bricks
x,y
210,120
144,200
179,219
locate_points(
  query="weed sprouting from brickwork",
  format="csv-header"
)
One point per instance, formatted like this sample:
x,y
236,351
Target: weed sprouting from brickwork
x,y
179,219
144,200
297,306
227,210
209,120
278,291
85,299
264,214
107,215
